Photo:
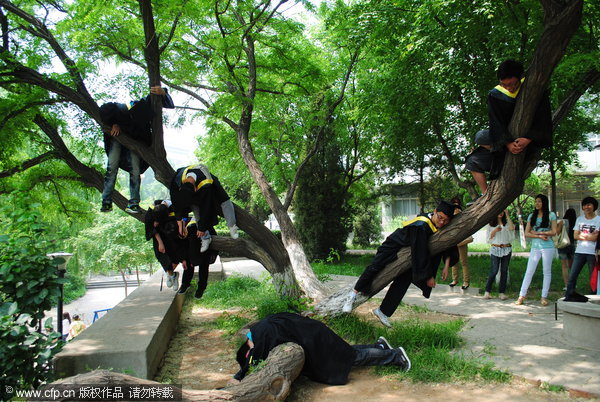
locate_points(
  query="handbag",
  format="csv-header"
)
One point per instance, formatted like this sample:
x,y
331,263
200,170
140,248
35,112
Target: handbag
x,y
562,239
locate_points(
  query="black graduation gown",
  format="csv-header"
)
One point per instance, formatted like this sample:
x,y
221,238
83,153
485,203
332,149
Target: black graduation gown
x,y
135,123
500,111
175,248
208,197
328,358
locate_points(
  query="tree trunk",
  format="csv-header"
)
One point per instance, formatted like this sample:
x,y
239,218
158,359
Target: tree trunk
x,y
124,279
521,223
561,22
271,383
553,206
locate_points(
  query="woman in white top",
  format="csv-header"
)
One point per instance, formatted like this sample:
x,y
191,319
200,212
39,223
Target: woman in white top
x,y
501,233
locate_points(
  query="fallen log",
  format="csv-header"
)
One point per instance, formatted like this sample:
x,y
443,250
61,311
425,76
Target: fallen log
x,y
271,383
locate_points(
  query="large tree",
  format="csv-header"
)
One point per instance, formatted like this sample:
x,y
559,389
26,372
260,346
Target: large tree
x,y
224,56
561,20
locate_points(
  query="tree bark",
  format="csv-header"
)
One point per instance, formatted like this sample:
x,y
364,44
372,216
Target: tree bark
x,y
561,22
271,383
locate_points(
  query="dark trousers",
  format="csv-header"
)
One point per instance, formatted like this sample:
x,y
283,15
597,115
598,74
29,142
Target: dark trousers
x,y
373,355
498,263
579,261
165,261
396,293
203,264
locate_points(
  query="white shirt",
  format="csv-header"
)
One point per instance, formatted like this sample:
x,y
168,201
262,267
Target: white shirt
x,y
504,236
584,225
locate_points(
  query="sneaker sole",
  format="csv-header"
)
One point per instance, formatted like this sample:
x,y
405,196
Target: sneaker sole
x,y
381,339
406,357
388,324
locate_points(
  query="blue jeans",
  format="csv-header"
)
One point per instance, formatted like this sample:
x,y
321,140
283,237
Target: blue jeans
x,y
579,261
112,168
373,355
498,263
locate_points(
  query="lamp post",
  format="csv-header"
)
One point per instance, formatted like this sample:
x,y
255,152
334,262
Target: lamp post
x,y
62,268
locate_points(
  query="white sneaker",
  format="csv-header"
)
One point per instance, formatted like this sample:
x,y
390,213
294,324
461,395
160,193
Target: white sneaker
x,y
503,296
169,280
487,295
382,317
175,281
233,231
205,244
347,308
383,343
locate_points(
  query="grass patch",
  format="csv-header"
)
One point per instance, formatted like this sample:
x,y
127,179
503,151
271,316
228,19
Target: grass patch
x,y
431,347
249,294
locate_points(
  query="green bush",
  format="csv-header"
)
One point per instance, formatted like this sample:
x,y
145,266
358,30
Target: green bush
x,y
367,228
25,353
29,285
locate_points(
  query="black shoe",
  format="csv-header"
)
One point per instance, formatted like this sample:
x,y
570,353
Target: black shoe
x,y
198,294
403,359
577,298
383,343
133,209
106,207
452,284
183,289
465,287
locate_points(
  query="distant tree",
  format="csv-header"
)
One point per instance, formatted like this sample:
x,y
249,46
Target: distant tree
x,y
321,208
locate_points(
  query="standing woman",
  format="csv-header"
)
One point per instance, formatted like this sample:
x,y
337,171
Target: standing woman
x,y
501,233
541,226
566,253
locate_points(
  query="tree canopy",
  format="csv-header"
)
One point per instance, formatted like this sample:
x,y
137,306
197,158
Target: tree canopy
x,y
393,86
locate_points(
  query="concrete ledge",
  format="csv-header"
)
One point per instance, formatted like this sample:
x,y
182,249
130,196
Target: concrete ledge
x,y
132,337
581,322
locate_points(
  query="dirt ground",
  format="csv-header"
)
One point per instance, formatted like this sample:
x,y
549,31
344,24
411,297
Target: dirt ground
x,y
199,357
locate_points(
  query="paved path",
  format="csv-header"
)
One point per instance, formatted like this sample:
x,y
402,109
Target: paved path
x,y
524,340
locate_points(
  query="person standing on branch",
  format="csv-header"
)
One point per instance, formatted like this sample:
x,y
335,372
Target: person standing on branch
x,y
494,142
415,234
134,121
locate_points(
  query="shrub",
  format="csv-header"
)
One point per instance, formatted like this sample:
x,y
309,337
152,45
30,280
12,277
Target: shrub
x,y
29,285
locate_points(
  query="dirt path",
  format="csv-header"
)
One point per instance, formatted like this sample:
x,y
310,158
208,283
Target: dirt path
x,y
199,357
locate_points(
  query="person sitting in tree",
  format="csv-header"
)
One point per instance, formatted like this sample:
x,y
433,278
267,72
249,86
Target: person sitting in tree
x,y
494,142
